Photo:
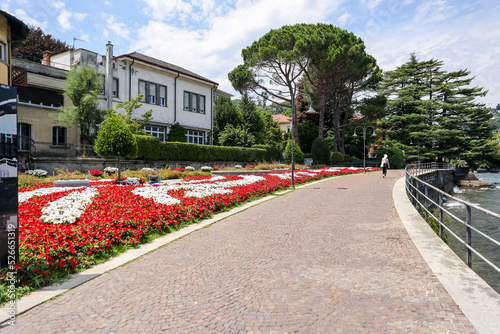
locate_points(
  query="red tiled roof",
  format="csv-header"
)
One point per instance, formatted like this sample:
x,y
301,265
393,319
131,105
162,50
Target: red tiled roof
x,y
281,118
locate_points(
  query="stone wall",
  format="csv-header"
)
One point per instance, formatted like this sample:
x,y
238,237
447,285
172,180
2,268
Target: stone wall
x,y
86,164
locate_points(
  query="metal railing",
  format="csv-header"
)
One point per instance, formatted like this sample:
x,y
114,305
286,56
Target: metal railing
x,y
429,200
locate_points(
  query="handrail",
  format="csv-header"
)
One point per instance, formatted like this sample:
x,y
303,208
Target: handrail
x,y
418,192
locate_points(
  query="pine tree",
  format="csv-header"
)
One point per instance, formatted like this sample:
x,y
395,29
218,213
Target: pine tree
x,y
433,113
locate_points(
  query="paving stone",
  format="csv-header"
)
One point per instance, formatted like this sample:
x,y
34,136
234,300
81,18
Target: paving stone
x,y
321,259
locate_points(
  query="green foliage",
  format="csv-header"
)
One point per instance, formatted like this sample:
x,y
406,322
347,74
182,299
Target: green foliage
x,y
433,113
394,153
225,113
82,87
272,129
236,136
150,148
177,133
136,125
272,152
297,153
115,139
253,120
320,152
308,132
336,158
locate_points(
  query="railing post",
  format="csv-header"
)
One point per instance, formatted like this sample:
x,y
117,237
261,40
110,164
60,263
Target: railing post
x,y
441,216
468,235
425,202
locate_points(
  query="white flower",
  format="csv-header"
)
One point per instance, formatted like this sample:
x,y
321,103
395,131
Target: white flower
x,y
24,196
157,194
238,166
68,209
147,169
189,168
111,170
37,172
206,168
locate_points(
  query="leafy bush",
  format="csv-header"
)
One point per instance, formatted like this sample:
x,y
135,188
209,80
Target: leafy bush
x,y
394,153
297,153
177,133
336,158
272,152
320,152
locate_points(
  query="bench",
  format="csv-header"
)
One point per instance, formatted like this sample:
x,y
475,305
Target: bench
x,y
71,183
154,178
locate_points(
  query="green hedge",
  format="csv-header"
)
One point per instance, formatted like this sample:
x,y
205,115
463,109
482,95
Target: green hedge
x,y
150,148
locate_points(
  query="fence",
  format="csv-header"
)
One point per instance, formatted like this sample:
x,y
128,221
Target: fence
x,y
429,200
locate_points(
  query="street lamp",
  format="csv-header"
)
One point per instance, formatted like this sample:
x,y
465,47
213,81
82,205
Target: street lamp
x,y
310,111
364,142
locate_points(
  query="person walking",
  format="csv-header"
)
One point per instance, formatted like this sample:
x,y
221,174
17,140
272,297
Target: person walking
x,y
385,165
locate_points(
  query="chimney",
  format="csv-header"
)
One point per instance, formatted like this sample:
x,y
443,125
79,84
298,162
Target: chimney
x,y
109,75
46,58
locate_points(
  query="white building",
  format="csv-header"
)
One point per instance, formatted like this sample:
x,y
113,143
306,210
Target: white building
x,y
175,95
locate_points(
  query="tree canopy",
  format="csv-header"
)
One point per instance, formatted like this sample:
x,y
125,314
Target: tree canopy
x,y
433,113
82,87
36,43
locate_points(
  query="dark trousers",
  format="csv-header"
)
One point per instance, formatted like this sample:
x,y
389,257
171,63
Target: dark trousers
x,y
384,169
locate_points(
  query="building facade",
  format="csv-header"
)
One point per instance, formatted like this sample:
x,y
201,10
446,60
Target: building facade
x,y
174,94
12,30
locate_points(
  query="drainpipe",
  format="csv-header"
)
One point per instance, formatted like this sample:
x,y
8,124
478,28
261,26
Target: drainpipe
x,y
109,74
175,97
212,113
130,80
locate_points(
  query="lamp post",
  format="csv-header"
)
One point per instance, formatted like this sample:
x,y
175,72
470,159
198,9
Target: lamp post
x,y
364,142
310,111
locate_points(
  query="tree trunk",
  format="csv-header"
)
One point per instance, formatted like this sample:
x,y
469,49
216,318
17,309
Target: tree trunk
x,y
322,116
119,170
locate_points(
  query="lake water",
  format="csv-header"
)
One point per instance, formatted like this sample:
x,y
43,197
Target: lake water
x,y
487,198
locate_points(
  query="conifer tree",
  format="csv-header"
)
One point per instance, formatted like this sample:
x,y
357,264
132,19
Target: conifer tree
x,y
434,115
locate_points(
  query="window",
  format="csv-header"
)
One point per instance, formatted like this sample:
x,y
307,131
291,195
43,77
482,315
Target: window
x,y
142,90
194,102
58,136
3,55
195,137
162,96
153,93
24,136
156,131
115,87
186,101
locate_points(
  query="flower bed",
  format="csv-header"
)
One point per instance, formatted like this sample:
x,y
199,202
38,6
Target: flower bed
x,y
64,230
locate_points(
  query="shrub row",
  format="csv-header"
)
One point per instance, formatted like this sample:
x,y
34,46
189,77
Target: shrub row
x,y
150,148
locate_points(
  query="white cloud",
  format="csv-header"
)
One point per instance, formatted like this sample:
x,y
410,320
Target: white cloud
x,y
57,5
120,29
160,9
343,19
214,49
23,16
435,11
64,19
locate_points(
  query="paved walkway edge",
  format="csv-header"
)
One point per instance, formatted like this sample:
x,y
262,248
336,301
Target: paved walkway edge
x,y
477,300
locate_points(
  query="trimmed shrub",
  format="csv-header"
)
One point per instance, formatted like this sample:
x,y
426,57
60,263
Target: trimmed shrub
x,y
297,153
394,153
177,133
320,152
336,158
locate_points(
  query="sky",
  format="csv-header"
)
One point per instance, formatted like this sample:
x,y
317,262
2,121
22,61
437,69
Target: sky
x,y
207,36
